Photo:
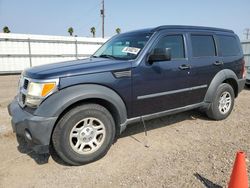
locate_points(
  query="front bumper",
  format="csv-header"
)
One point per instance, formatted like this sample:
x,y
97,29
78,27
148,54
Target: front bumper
x,y
36,130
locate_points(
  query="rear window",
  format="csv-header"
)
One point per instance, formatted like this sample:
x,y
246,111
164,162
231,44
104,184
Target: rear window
x,y
228,45
203,45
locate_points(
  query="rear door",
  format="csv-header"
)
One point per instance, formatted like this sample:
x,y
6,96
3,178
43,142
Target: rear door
x,y
205,64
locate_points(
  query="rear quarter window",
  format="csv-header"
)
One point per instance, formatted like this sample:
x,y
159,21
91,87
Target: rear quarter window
x,y
203,45
228,45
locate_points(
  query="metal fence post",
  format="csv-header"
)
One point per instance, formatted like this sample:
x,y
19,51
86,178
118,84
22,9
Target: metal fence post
x,y
30,58
76,49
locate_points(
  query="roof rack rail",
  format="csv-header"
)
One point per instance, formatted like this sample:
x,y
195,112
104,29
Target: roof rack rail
x,y
191,27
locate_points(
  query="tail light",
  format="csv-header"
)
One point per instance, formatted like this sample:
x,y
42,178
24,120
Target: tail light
x,y
243,69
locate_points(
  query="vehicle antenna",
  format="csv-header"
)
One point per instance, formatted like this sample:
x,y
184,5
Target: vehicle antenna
x,y
146,133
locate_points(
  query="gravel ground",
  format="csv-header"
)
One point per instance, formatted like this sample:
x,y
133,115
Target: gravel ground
x,y
185,150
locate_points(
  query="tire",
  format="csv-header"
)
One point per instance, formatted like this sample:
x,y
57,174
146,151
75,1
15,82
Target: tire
x,y
220,112
84,134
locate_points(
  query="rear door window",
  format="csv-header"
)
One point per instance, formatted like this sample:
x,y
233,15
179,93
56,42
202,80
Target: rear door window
x,y
228,45
203,45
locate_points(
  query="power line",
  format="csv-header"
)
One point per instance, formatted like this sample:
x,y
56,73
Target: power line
x,y
87,14
91,9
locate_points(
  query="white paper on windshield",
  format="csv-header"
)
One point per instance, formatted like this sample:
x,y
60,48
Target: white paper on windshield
x,y
131,50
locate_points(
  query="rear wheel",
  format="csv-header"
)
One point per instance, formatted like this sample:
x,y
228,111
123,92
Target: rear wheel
x,y
222,103
84,134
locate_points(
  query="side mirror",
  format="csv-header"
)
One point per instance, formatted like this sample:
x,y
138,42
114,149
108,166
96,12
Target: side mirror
x,y
160,54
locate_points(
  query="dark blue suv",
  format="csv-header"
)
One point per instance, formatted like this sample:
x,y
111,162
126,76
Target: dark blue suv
x,y
79,107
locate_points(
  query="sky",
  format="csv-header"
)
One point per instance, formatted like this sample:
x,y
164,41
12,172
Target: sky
x,y
54,17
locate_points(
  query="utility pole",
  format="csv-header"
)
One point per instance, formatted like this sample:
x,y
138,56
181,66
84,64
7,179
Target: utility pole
x,y
247,33
102,15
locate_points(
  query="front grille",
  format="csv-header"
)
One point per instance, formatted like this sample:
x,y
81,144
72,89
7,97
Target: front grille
x,y
25,84
23,98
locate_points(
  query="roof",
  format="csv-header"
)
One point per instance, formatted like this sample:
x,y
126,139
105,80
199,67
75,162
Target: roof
x,y
177,27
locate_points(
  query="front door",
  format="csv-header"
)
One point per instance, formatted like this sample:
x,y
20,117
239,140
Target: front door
x,y
162,85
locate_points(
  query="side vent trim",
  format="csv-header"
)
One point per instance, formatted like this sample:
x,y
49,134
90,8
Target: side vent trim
x,y
122,74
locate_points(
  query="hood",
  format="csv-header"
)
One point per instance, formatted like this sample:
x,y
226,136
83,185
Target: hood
x,y
76,67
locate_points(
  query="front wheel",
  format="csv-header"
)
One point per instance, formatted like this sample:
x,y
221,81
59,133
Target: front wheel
x,y
222,103
84,134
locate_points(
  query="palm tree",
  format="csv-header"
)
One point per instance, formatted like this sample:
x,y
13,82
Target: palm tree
x,y
92,30
6,29
118,30
70,31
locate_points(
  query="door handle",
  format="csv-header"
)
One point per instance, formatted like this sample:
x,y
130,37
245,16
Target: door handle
x,y
217,63
184,67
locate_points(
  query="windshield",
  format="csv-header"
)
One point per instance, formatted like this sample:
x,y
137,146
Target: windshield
x,y
123,46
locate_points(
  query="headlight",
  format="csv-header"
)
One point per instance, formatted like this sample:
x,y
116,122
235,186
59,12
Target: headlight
x,y
40,89
37,91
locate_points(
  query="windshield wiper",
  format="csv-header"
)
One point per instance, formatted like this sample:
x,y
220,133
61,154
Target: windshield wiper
x,y
107,56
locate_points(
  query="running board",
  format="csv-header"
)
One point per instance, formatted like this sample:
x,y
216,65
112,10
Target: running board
x,y
161,114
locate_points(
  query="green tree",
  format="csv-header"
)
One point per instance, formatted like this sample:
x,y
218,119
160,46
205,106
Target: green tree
x,y
70,31
92,30
118,30
6,29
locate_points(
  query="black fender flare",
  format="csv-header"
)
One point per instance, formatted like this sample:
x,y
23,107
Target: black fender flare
x,y
55,104
219,78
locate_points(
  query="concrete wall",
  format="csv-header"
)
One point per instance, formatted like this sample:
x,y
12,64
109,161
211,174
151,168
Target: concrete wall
x,y
20,51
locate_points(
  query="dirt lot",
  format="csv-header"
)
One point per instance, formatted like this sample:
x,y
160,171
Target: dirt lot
x,y
185,150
